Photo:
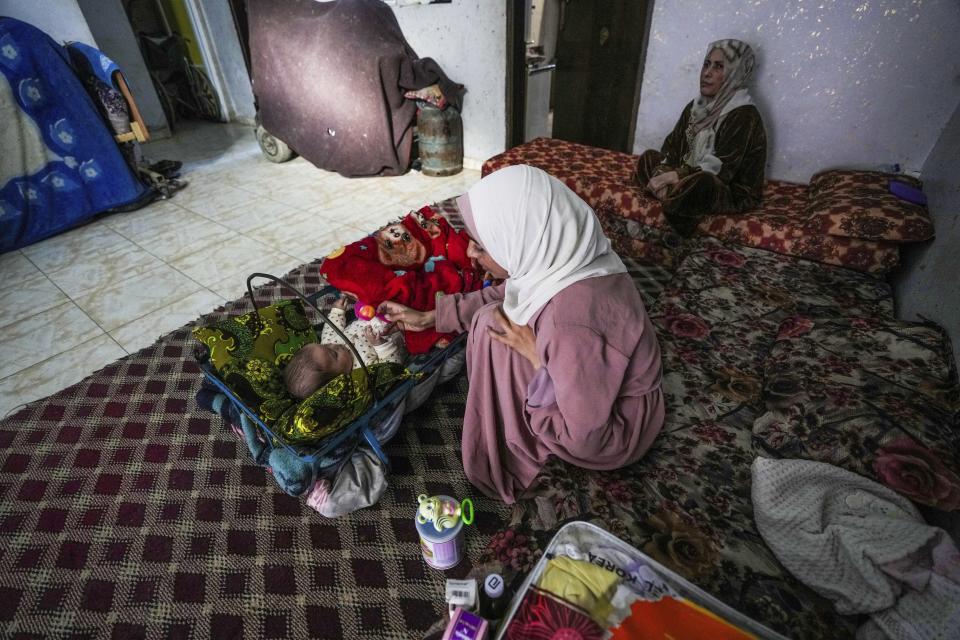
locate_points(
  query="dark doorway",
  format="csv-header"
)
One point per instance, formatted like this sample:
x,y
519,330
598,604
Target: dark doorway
x,y
172,54
517,11
597,78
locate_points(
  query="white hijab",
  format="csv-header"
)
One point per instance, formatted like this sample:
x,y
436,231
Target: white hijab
x,y
542,233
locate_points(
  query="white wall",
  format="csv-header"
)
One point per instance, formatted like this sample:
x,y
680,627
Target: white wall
x,y
62,20
218,37
468,38
839,83
927,283
108,22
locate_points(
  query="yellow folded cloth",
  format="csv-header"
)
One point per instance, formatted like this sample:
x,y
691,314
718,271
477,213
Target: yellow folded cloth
x,y
582,584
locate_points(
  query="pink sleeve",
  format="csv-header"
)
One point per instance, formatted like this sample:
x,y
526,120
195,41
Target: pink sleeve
x,y
455,312
587,416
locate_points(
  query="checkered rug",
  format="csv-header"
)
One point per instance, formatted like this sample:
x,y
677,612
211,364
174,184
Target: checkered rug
x,y
128,512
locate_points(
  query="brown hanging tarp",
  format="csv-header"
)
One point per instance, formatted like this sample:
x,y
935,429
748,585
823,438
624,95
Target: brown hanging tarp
x,y
329,78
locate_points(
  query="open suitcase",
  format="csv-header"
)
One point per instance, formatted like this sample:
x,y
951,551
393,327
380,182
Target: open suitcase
x,y
689,613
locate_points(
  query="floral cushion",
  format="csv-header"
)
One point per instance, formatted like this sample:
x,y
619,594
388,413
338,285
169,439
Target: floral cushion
x,y
603,178
858,204
848,180
780,226
567,160
877,397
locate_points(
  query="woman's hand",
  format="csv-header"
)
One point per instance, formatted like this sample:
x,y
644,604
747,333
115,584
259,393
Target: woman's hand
x,y
406,318
660,185
518,337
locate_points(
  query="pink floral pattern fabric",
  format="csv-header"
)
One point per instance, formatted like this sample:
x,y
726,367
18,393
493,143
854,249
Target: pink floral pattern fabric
x,y
918,473
878,397
635,223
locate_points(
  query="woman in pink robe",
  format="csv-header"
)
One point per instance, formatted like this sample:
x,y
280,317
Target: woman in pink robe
x,y
562,359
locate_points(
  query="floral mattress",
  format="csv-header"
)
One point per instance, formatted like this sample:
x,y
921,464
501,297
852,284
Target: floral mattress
x,y
844,218
764,355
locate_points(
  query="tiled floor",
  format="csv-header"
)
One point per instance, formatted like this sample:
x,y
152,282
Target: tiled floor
x,y
76,302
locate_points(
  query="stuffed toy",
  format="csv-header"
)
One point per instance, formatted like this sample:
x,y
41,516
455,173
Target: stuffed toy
x,y
412,261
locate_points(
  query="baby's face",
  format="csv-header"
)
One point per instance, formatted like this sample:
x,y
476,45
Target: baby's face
x,y
314,366
335,358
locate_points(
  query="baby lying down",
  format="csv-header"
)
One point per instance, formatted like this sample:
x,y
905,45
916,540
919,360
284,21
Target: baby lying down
x,y
315,364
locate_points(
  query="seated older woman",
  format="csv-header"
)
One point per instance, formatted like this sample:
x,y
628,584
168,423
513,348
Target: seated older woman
x,y
713,160
562,358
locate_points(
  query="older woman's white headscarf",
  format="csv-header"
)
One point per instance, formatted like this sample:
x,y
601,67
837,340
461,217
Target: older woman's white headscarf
x,y
707,113
541,232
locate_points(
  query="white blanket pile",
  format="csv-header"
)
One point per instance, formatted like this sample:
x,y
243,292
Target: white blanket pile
x,y
861,545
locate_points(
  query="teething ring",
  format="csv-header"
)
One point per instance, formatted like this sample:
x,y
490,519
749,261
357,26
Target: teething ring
x,y
467,502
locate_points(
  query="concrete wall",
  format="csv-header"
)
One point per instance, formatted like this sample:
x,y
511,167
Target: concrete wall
x,y
62,20
928,284
839,83
468,39
109,25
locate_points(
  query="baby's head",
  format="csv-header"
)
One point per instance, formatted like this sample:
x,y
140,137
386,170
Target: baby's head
x,y
314,365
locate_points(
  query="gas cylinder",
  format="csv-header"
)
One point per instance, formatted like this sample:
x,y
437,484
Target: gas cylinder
x,y
440,133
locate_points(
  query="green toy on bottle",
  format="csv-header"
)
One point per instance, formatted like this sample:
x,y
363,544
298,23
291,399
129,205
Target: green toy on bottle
x,y
440,520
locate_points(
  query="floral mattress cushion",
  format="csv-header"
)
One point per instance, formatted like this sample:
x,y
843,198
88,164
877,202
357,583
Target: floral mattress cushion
x,y
859,204
779,226
850,180
875,396
603,178
719,317
565,159
687,502
635,223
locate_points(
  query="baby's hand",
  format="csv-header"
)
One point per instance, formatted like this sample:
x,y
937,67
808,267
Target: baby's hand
x,y
373,337
343,303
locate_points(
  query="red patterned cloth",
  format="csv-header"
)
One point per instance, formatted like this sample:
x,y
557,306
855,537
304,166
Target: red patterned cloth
x,y
545,616
859,204
604,179
411,261
780,226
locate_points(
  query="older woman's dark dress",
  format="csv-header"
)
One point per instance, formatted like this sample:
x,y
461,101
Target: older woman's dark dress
x,y
740,144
